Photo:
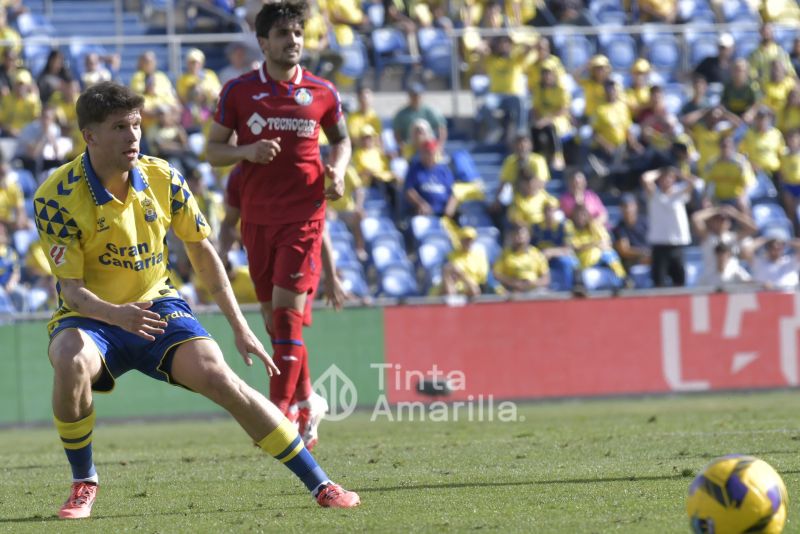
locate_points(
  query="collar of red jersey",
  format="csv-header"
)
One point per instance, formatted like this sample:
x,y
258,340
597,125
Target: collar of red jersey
x,y
99,193
296,78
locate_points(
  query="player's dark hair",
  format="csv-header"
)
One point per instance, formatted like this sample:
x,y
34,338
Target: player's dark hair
x,y
102,99
274,12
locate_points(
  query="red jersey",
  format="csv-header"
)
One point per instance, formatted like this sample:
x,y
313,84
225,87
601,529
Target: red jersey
x,y
290,188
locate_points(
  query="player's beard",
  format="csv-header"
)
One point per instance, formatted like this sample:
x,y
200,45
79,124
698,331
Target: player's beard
x,y
284,60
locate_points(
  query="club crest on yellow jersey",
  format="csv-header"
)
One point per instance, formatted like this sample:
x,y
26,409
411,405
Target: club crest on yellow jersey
x,y
150,214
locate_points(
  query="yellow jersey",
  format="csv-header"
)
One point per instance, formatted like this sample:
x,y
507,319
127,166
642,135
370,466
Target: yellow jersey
x,y
529,210
117,248
612,121
548,101
731,177
358,119
372,161
352,181
775,94
472,263
763,149
17,112
788,119
241,285
707,143
591,237
11,200
790,168
528,264
509,172
637,98
594,94
506,74
207,81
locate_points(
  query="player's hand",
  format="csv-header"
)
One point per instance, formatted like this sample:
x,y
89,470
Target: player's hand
x,y
336,189
334,292
247,343
263,151
138,319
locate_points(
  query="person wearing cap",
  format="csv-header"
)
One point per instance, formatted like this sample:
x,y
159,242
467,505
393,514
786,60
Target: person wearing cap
x,y
594,91
763,144
638,95
521,267
716,69
767,52
776,87
774,267
788,177
416,109
196,75
551,116
613,137
466,269
428,187
21,106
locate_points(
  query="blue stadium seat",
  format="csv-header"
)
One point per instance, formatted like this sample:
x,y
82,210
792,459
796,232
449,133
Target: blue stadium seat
x,y
694,270
610,16
353,280
574,50
422,225
355,59
474,213
437,51
343,252
376,14
763,189
372,226
621,50
641,276
397,281
701,47
31,24
599,279
464,167
675,97
433,251
387,249
336,227
614,215
488,242
664,54
768,214
26,181
389,48
746,43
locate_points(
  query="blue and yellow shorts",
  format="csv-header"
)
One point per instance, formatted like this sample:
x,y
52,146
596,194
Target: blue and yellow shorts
x,y
122,351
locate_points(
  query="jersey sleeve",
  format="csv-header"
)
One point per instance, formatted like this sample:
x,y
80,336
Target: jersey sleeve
x,y
60,237
188,221
333,112
226,112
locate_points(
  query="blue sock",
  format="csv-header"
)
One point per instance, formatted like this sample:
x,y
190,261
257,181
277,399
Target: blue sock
x,y
77,441
285,444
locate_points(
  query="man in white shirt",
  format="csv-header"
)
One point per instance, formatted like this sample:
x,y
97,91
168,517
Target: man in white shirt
x,y
775,267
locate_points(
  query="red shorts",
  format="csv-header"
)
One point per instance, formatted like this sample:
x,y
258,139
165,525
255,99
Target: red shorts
x,y
284,255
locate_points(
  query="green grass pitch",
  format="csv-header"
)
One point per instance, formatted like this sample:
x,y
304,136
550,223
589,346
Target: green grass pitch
x,y
573,467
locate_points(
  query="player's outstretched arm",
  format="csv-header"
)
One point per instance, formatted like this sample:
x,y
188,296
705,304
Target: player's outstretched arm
x,y
209,268
134,317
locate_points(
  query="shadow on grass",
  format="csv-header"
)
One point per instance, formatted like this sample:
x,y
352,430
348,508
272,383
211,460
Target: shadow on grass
x,y
101,517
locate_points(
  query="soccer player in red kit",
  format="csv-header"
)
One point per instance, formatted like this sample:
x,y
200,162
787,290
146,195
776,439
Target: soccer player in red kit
x,y
269,120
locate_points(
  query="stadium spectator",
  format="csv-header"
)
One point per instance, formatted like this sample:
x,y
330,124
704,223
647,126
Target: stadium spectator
x,y
167,139
320,57
8,35
373,167
776,87
198,111
364,114
504,64
197,76
794,55
211,203
658,11
542,55
630,234
579,194
466,269
530,197
706,128
788,177
350,209
10,290
699,100
12,201
714,225
594,87
613,139
239,62
591,244
552,238
769,51
11,63
40,144
520,267
64,101
763,144
19,107
659,126
741,94
775,267
551,117
38,278
780,11
148,80
55,72
347,18
730,175
717,69
416,109
638,95
725,270
429,184
523,157
789,116
95,68
668,225
569,13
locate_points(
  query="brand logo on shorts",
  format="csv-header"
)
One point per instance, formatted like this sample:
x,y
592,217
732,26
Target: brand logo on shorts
x,y
295,276
256,123
303,97
177,315
57,253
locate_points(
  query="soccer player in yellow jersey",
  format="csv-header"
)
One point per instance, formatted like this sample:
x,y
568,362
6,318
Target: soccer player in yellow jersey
x,y
763,144
731,175
521,267
102,219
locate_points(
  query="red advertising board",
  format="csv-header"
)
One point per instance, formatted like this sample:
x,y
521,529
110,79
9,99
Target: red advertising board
x,y
610,346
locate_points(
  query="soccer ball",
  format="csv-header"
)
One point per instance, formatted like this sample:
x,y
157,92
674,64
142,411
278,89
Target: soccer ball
x,y
736,494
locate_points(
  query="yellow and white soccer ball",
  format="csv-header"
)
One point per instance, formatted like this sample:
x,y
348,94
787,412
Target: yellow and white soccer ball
x,y
737,494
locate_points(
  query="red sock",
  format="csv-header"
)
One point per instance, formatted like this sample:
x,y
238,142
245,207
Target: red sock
x,y
304,380
288,351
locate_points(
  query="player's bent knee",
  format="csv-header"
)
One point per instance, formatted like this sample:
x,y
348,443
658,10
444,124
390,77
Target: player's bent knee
x,y
73,354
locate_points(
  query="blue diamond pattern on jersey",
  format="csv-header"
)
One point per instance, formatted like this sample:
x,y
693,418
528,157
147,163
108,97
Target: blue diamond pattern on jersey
x,y
180,192
71,179
53,219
